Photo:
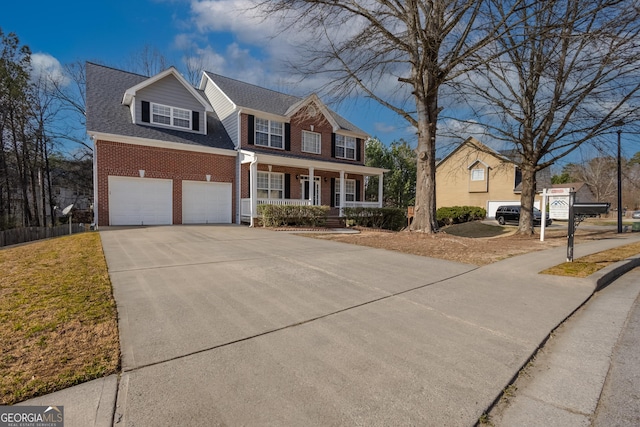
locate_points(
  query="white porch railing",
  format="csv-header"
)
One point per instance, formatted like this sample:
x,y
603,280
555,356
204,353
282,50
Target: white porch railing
x,y
362,204
245,205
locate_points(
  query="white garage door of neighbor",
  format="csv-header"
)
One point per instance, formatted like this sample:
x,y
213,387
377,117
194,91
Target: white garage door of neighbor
x,y
206,202
493,205
140,201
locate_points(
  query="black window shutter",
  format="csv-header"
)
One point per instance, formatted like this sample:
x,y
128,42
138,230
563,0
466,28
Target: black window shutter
x,y
333,145
358,190
146,116
287,136
333,192
287,185
252,127
249,182
195,120
358,149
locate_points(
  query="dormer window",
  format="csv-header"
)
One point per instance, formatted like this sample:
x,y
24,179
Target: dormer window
x,y
170,116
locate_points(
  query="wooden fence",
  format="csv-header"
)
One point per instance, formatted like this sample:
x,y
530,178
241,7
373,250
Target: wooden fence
x,y
28,234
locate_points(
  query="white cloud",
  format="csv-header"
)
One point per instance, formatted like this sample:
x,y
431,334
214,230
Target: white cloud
x,y
383,127
45,66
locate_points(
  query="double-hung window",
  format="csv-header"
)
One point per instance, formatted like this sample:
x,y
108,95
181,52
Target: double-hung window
x,y
349,191
311,142
269,133
345,147
270,185
170,116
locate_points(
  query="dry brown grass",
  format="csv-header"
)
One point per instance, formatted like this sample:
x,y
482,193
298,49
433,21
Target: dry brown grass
x,y
58,321
450,244
587,265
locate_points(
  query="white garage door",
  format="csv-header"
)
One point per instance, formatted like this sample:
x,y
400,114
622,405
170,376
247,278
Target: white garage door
x,y
206,202
140,201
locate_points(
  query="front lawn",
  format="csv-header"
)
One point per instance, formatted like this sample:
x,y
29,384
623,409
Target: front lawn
x,y
58,320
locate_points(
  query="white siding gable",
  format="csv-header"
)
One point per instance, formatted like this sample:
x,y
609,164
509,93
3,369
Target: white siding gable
x,y
224,108
170,92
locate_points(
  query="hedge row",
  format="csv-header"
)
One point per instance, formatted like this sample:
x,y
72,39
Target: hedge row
x,y
459,214
289,215
386,218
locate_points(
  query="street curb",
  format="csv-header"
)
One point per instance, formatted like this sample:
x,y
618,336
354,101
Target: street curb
x,y
603,278
600,280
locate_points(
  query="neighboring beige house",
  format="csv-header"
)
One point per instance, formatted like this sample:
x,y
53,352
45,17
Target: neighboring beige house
x,y
476,175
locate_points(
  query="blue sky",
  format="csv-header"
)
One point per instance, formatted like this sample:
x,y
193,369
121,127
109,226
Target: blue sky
x,y
226,40
223,38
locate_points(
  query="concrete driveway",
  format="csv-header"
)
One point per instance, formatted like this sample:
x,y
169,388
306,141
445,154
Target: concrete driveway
x,y
226,325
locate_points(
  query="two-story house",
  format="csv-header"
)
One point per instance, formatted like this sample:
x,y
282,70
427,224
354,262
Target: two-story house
x,y
473,174
168,153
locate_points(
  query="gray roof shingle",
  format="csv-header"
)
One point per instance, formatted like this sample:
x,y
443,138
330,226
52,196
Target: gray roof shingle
x,y
105,112
270,101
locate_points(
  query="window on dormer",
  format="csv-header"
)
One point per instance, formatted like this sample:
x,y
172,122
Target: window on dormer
x,y
170,116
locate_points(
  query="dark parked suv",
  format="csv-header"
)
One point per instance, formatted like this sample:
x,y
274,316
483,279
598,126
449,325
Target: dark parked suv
x,y
511,213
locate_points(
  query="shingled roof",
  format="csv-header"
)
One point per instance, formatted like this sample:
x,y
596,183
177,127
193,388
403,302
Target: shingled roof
x,y
106,113
269,101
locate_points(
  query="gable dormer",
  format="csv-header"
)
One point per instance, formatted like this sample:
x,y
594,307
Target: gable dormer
x,y
167,100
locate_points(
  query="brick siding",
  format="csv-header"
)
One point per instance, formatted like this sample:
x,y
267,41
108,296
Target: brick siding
x,y
119,159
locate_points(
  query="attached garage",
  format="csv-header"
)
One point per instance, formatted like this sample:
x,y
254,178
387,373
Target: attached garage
x,y
206,202
140,201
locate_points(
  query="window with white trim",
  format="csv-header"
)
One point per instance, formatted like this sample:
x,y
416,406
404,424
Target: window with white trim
x,y
170,116
349,191
477,174
269,133
311,142
345,147
270,185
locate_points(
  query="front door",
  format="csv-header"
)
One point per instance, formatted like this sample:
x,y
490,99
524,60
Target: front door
x,y
316,189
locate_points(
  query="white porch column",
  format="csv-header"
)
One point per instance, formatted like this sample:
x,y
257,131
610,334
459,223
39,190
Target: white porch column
x,y
380,189
343,196
253,189
312,186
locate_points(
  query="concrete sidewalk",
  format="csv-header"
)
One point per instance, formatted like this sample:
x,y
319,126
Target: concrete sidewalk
x,y
240,326
564,384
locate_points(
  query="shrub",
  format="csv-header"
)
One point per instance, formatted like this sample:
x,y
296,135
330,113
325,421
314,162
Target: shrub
x,y
386,218
290,215
459,214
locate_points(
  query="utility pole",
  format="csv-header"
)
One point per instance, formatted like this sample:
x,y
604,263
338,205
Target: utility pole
x,y
619,185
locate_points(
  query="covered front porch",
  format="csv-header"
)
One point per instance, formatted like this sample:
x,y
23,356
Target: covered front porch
x,y
271,179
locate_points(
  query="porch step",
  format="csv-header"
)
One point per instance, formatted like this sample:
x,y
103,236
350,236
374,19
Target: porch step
x,y
335,222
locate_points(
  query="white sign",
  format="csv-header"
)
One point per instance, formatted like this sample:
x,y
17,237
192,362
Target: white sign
x,y
559,207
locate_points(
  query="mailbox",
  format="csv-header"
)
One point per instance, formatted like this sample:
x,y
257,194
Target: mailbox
x,y
590,209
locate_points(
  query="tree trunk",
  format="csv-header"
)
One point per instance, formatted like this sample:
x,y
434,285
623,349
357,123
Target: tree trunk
x,y
424,219
526,200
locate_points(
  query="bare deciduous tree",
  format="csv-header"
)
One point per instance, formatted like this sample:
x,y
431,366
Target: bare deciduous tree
x,y
563,73
398,53
147,61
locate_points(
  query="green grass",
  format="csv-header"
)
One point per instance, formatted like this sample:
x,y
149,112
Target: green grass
x,y
58,320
